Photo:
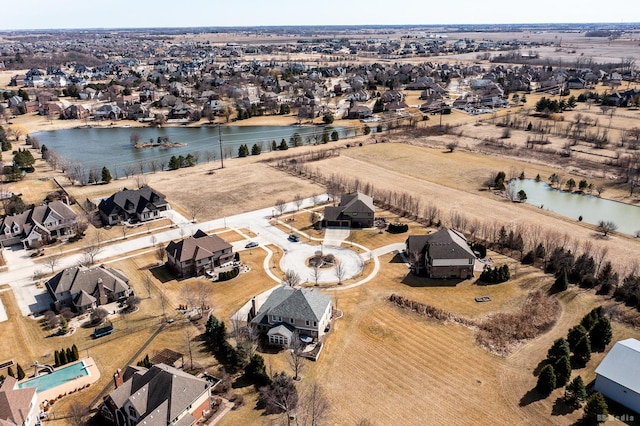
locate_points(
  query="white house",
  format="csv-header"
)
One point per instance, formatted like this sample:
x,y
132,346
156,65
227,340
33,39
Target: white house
x,y
618,375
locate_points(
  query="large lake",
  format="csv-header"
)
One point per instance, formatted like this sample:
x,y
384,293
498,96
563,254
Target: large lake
x,y
592,209
111,147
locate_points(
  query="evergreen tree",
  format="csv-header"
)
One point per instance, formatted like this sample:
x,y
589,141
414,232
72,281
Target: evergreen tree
x,y
63,357
546,380
255,149
10,372
106,175
257,372
596,410
576,392
562,282
174,163
582,351
562,369
559,349
335,136
242,151
76,354
274,146
56,357
601,334
283,145
21,374
189,160
575,335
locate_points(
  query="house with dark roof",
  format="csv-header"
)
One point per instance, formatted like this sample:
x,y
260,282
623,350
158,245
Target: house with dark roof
x,y
288,312
39,225
443,254
160,395
356,210
84,289
132,204
198,253
18,407
618,375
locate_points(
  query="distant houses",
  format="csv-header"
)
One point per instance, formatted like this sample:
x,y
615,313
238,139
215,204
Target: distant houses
x,y
197,254
443,254
160,395
84,289
356,210
39,225
289,313
618,375
140,205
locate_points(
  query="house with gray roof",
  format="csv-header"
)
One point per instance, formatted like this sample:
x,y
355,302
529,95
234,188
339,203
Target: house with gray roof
x,y
160,395
84,289
141,205
39,225
618,375
198,253
288,312
356,210
443,254
18,407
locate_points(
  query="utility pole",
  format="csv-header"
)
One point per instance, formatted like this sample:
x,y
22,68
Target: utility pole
x,y
220,142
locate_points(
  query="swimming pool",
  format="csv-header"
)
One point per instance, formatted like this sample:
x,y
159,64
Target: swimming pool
x,y
57,378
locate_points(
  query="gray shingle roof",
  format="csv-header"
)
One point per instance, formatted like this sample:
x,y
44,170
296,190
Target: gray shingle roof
x,y
288,302
622,364
94,282
160,394
197,247
133,199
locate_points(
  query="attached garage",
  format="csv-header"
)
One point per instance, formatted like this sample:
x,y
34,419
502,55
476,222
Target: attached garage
x,y
618,375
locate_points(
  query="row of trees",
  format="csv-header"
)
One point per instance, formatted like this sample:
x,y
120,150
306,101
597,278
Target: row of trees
x,y
593,332
65,356
21,374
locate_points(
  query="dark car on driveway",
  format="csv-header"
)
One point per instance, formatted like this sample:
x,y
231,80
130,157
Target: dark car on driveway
x,y
294,238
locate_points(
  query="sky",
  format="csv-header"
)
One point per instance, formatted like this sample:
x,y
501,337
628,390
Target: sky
x,y
60,14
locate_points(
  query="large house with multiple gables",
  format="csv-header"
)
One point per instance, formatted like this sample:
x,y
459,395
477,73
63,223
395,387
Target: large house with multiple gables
x,y
443,254
84,289
160,395
132,204
356,210
39,225
198,253
18,406
288,312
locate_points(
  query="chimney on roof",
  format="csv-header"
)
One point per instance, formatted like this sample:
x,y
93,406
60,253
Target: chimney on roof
x,y
117,378
253,307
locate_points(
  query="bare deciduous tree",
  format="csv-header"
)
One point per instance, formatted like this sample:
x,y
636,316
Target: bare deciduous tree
x,y
313,407
291,278
340,272
606,227
195,207
52,261
161,253
294,358
188,343
76,414
315,274
297,200
280,206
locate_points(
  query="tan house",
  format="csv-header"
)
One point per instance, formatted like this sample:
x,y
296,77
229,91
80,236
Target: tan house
x,y
18,407
288,312
83,289
356,210
443,254
39,225
198,253
160,395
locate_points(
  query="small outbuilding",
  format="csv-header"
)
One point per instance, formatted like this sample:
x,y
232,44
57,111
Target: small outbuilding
x,y
618,375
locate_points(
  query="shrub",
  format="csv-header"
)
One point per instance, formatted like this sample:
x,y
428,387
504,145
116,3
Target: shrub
x,y
397,228
495,275
228,275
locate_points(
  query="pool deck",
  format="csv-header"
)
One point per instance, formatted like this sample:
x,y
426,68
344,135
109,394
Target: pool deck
x,y
72,385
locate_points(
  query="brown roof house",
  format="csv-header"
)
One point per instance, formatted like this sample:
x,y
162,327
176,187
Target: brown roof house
x,y
444,254
198,253
18,407
84,289
288,312
132,204
160,395
356,210
38,225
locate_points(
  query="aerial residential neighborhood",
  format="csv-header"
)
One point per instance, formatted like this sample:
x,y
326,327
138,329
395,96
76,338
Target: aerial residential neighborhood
x,y
318,224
